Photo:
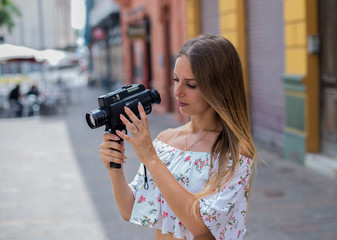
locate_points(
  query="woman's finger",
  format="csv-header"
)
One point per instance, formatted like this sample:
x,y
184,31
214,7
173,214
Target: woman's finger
x,y
133,129
123,135
112,152
109,136
112,145
106,159
142,114
112,157
132,116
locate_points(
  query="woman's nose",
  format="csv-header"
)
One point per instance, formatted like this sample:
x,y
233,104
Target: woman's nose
x,y
178,90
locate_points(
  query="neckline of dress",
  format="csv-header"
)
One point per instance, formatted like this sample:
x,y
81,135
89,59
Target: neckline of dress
x,y
182,151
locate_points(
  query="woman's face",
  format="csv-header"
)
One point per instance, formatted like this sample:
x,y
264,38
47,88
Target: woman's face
x,y
186,91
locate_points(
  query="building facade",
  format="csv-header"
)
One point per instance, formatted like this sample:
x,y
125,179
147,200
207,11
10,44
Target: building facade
x,y
152,33
288,56
289,62
105,43
43,24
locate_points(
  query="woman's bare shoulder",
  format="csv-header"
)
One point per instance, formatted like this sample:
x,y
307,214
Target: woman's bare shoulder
x,y
171,133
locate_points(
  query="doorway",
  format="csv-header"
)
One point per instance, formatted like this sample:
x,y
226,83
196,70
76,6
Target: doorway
x,y
328,76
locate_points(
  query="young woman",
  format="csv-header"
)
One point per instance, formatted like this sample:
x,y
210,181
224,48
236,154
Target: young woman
x,y
198,175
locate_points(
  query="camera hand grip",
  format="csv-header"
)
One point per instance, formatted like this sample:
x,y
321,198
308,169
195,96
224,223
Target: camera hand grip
x,y
115,165
112,164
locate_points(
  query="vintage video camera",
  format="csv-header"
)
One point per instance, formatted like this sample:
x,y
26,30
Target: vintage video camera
x,y
112,105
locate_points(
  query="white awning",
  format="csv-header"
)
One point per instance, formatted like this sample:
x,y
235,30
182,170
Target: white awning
x,y
101,10
9,51
52,57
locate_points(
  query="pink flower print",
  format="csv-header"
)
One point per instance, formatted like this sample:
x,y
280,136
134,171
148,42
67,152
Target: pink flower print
x,y
159,199
165,214
239,233
187,159
141,199
248,160
222,235
231,217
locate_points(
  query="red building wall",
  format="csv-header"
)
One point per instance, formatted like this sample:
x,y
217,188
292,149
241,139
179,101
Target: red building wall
x,y
168,32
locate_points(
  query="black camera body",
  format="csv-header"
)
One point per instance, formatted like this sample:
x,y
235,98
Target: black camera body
x,y
112,105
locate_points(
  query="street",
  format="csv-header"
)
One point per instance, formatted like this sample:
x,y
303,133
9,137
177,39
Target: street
x,y
54,186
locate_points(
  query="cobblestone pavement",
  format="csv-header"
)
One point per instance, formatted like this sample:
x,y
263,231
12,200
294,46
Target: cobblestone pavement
x,y
53,185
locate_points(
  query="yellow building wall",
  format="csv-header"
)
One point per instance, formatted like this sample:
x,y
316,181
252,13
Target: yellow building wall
x,y
232,23
233,27
193,18
301,21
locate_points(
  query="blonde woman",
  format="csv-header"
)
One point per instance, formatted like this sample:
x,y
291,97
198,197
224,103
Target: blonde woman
x,y
196,183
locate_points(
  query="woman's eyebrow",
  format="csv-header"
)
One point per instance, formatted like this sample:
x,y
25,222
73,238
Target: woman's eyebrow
x,y
187,79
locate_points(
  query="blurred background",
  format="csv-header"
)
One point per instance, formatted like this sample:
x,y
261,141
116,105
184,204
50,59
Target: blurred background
x,y
58,56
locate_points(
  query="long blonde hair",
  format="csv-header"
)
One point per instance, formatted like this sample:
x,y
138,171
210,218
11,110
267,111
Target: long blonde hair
x,y
217,69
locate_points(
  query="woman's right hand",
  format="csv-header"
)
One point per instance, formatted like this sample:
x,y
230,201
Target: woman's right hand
x,y
108,150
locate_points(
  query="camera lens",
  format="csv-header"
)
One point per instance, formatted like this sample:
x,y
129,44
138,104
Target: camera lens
x,y
96,118
92,120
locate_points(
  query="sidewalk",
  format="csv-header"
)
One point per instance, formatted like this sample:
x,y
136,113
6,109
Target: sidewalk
x,y
291,202
53,185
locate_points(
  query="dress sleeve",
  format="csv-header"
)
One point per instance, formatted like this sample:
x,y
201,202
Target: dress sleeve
x,y
138,181
224,211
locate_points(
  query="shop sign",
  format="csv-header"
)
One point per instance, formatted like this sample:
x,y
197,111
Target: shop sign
x,y
137,31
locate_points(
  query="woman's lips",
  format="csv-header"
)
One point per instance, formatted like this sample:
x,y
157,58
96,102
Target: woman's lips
x,y
181,104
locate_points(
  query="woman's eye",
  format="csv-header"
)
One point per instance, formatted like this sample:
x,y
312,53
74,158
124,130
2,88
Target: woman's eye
x,y
191,86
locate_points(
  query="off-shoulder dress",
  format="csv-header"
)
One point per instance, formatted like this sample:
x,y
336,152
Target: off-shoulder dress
x,y
223,212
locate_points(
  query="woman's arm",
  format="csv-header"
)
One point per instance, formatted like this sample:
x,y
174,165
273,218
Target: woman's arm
x,y
177,197
122,192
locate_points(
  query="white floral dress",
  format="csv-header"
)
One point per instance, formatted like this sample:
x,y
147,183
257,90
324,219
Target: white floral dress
x,y
223,212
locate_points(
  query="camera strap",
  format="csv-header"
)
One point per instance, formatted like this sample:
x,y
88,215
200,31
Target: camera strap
x,y
146,184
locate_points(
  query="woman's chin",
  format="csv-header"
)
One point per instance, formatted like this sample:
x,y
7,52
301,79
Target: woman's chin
x,y
184,112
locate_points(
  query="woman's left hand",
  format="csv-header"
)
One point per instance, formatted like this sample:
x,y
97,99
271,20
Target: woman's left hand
x,y
140,140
